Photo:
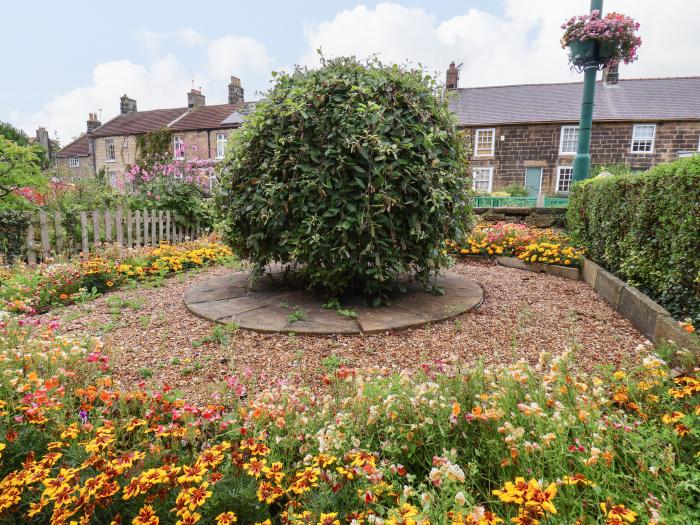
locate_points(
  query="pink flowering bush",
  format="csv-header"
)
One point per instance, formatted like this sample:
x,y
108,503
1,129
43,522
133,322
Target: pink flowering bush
x,y
616,34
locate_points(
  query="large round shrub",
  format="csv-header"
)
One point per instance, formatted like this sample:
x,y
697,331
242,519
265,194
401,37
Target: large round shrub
x,y
354,171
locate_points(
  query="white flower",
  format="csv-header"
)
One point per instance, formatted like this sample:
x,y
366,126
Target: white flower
x,y
460,498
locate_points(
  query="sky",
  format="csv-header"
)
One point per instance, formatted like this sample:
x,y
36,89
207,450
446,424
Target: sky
x,y
78,57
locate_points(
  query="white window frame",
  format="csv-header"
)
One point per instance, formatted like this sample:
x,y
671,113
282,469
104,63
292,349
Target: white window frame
x,y
559,173
220,141
110,151
178,141
653,138
489,169
73,161
112,178
493,142
564,129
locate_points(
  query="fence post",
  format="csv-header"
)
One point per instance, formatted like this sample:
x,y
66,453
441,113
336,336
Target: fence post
x,y
168,232
31,255
129,231
59,231
44,234
145,228
161,225
96,237
108,226
84,232
154,228
137,225
118,216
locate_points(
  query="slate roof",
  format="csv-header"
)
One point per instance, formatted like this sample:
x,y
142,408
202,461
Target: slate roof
x,y
78,148
138,122
177,119
643,99
206,117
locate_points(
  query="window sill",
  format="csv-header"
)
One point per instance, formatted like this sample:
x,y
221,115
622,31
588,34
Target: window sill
x,y
561,154
110,161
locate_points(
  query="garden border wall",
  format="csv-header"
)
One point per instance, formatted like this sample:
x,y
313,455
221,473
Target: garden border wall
x,y
647,316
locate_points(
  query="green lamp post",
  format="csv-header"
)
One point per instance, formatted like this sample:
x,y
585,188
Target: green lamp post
x,y
582,162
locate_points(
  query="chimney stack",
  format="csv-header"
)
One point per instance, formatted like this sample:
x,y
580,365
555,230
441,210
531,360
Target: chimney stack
x,y
235,91
92,122
127,105
195,99
452,77
611,74
42,136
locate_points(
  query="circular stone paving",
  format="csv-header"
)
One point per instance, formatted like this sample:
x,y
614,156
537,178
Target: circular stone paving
x,y
269,305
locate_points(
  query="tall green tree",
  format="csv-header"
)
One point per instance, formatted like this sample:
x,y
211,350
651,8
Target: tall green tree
x,y
20,167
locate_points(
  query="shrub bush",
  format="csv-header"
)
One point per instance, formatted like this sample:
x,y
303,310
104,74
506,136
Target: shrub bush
x,y
646,229
516,190
354,171
13,228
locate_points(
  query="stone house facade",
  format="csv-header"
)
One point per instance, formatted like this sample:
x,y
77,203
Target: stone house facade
x,y
197,131
527,134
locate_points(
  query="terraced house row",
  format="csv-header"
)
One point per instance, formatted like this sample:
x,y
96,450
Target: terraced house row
x,y
522,134
198,131
528,134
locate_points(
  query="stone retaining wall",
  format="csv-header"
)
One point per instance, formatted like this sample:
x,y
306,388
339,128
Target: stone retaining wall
x,y
538,217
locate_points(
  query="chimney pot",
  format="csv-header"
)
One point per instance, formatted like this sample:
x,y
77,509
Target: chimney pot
x,y
452,76
195,99
611,74
127,105
235,91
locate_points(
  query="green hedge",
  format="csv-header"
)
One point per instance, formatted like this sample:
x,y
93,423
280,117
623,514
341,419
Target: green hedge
x,y
646,229
13,229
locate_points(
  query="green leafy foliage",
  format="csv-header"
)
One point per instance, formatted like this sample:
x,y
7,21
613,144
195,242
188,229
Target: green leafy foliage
x,y
354,171
516,190
13,227
19,168
646,229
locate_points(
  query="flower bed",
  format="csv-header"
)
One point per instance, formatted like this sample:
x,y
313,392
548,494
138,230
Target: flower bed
x,y
30,290
521,241
480,446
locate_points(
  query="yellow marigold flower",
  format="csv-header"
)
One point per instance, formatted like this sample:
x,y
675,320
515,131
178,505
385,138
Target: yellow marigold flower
x,y
146,516
672,417
226,518
619,512
188,518
328,519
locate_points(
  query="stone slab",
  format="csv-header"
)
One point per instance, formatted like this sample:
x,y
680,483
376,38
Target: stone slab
x,y
567,272
589,272
267,305
609,287
640,310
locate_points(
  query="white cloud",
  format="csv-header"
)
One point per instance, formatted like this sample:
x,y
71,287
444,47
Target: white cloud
x,y
191,37
162,83
236,54
522,45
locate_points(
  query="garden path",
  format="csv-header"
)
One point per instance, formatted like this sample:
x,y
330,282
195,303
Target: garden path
x,y
152,336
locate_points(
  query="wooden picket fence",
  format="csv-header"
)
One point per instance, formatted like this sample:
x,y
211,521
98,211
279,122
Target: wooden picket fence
x,y
124,227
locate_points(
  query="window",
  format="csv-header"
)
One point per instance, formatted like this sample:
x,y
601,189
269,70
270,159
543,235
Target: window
x,y
220,145
212,182
109,146
178,147
569,140
564,176
112,178
484,142
643,138
482,179
73,162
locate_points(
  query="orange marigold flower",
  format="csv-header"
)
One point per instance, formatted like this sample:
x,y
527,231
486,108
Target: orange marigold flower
x,y
226,518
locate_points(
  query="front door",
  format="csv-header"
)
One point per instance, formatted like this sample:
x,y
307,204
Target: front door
x,y
533,181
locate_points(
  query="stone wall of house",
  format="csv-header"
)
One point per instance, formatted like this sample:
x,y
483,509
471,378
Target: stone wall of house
x,y
537,145
125,154
83,171
201,144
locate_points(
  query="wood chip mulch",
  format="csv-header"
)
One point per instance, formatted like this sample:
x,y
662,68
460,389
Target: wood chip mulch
x,y
151,336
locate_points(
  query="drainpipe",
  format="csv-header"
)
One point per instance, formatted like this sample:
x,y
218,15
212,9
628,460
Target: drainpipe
x,y
582,162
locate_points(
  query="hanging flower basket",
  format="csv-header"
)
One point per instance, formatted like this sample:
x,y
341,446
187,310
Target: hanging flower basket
x,y
597,42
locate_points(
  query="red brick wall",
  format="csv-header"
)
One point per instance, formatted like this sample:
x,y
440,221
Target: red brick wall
x,y
538,145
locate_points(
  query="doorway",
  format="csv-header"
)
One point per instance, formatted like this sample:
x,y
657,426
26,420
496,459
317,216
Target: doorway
x,y
533,181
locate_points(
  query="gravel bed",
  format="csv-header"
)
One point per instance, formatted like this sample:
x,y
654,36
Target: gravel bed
x,y
153,338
